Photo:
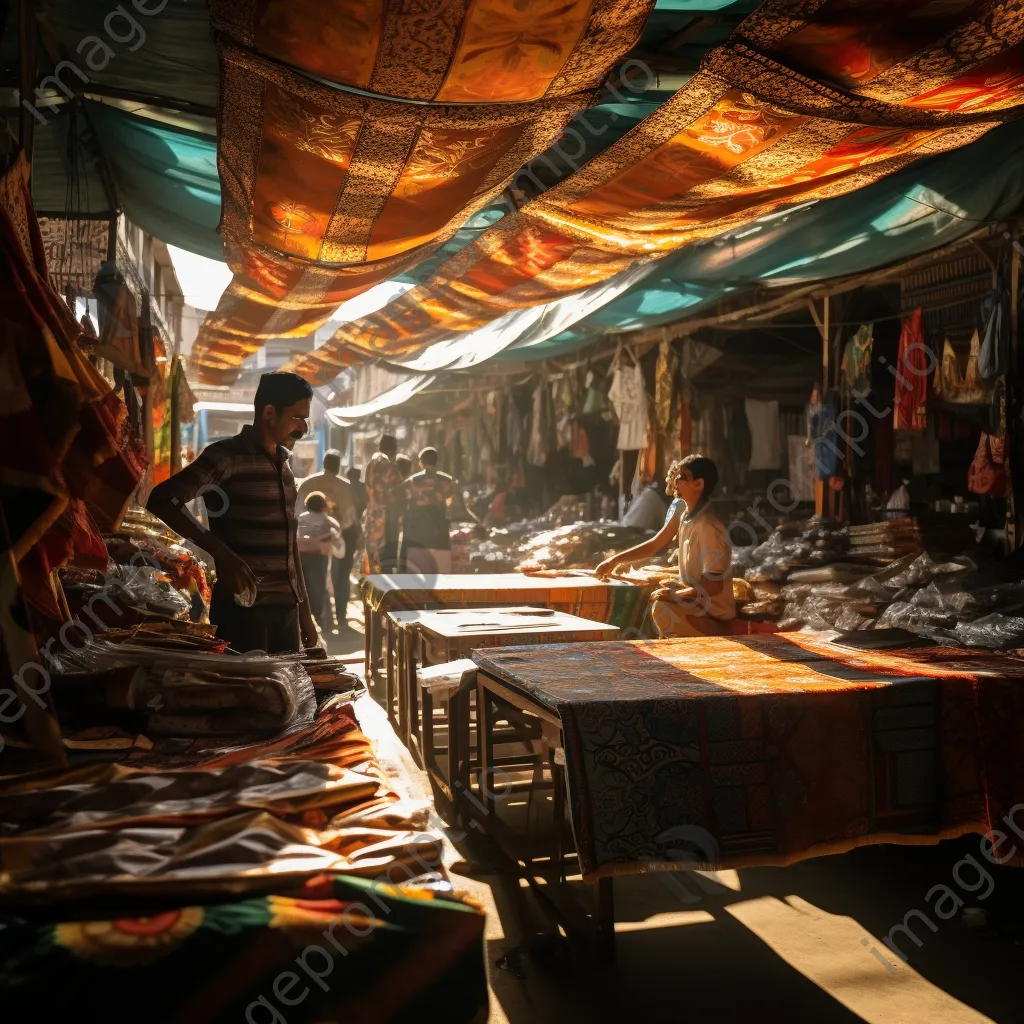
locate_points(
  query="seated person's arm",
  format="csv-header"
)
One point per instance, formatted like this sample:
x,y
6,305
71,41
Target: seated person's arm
x,y
661,540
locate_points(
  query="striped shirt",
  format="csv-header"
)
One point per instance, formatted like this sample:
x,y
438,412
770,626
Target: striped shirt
x,y
250,501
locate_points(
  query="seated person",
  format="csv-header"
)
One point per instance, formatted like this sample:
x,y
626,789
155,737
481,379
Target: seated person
x,y
647,510
702,603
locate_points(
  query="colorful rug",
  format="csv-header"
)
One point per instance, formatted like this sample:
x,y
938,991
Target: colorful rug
x,y
355,951
765,750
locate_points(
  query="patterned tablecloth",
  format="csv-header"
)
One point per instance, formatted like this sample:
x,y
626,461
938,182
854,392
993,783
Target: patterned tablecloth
x,y
764,750
621,604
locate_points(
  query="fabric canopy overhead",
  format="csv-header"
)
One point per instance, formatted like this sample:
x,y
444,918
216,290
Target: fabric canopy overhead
x,y
328,191
928,205
809,99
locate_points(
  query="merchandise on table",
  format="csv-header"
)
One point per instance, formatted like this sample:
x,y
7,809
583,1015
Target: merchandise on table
x,y
820,576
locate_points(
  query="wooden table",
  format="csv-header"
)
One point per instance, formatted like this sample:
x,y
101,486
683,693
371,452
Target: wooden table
x,y
611,601
431,637
758,751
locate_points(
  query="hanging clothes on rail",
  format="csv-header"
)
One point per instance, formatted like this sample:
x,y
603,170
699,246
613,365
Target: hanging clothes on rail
x,y
855,370
911,394
628,398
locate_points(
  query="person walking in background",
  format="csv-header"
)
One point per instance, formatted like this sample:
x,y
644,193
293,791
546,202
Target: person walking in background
x,y
395,512
319,539
341,506
426,541
359,497
383,489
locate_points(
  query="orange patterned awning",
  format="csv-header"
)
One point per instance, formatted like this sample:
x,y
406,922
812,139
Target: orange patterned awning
x,y
809,99
328,191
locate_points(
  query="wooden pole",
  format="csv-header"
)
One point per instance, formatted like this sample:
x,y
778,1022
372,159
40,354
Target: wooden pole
x,y
176,372
822,502
1012,396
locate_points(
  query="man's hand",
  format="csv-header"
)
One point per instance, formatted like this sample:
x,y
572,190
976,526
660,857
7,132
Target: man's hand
x,y
233,572
307,625
607,567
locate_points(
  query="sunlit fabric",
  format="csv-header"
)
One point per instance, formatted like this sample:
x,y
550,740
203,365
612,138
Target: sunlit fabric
x,y
327,191
795,107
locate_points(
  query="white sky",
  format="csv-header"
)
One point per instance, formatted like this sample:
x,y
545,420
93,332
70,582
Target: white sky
x,y
203,281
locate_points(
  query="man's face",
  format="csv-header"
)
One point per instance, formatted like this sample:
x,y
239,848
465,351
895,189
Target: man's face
x,y
688,489
291,425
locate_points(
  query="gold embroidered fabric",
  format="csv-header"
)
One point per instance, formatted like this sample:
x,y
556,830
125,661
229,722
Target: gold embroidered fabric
x,y
809,99
326,191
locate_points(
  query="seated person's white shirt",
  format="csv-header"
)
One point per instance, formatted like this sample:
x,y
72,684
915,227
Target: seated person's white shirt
x,y
705,553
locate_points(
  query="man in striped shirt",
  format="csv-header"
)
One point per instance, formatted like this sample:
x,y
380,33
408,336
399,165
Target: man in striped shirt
x,y
259,601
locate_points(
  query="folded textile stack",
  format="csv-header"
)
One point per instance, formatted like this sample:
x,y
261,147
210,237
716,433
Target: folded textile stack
x,y
184,693
880,543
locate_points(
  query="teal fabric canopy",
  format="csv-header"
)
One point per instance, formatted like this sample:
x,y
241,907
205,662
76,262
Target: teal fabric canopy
x,y
927,205
167,178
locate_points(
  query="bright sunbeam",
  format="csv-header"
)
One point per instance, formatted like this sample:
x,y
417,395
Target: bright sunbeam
x,y
836,953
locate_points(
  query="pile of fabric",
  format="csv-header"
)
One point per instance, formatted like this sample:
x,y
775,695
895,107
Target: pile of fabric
x,y
196,693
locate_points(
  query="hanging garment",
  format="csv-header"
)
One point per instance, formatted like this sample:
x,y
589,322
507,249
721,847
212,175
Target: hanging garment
x,y
801,467
765,436
629,400
537,454
995,341
910,411
596,401
685,425
828,450
950,386
855,370
987,472
664,385
119,326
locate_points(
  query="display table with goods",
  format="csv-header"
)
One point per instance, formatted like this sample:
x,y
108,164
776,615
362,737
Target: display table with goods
x,y
445,636
578,593
225,816
708,753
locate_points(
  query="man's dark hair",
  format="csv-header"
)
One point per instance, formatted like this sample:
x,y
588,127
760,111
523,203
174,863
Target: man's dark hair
x,y
316,501
702,468
388,442
332,461
280,390
404,464
354,473
428,457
